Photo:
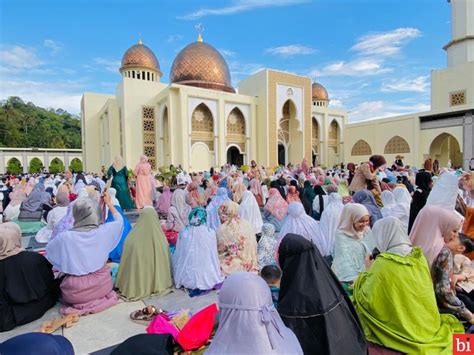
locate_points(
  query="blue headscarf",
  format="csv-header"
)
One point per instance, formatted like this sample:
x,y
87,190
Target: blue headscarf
x,y
212,209
197,216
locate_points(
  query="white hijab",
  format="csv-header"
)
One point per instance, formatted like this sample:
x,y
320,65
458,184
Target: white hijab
x,y
390,236
444,192
389,203
330,221
250,211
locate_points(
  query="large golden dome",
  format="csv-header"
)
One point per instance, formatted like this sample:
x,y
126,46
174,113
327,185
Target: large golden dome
x,y
319,92
140,56
200,64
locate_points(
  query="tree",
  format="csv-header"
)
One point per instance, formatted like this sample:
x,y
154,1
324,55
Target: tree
x,y
56,166
75,166
35,166
14,166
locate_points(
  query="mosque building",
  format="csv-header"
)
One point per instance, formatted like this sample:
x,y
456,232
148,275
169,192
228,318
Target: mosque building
x,y
199,120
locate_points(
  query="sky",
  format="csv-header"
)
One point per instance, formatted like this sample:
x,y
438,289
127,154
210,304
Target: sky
x,y
373,56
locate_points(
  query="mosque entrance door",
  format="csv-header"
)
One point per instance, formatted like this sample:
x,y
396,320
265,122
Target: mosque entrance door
x,y
446,147
281,154
234,157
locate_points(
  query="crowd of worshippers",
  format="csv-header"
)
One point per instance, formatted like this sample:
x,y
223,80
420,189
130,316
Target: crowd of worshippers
x,y
305,260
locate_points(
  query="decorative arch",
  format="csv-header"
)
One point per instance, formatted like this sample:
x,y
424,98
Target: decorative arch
x,y
446,147
76,165
315,135
234,155
56,165
202,157
361,147
14,166
202,126
334,131
236,122
35,165
397,145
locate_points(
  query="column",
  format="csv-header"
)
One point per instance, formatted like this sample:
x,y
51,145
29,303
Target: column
x,y
468,146
2,162
24,162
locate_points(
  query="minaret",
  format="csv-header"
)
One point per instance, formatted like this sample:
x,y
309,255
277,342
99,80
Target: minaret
x,y
461,47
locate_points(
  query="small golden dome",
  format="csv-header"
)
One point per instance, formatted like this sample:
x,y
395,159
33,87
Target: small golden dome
x,y
140,56
200,64
319,92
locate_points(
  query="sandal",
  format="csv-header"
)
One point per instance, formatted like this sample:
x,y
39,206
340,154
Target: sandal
x,y
53,325
145,315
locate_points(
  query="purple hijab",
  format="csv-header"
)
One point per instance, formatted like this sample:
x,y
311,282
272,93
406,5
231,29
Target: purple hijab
x,y
365,197
248,321
164,201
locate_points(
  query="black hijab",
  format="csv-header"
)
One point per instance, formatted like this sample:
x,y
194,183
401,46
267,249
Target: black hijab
x,y
423,181
319,191
313,303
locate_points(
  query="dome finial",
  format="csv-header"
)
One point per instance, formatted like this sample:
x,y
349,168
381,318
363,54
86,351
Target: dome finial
x,y
140,38
200,28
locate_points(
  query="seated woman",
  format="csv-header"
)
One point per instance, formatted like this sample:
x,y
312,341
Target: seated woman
x,y
81,253
249,323
12,211
212,208
352,245
116,254
236,241
54,216
366,198
298,222
145,267
402,208
250,211
275,209
33,209
312,302
178,213
27,286
164,201
267,246
416,327
195,260
37,343
330,221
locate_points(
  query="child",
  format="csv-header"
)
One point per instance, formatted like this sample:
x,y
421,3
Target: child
x,y
463,272
272,276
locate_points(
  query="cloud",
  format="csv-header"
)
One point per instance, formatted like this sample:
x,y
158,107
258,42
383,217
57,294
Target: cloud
x,y
290,50
227,53
367,110
19,57
336,103
240,6
174,38
53,45
419,84
108,64
385,43
65,94
244,69
357,67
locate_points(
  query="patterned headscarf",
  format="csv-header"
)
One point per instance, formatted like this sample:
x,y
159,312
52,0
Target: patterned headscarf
x,y
197,216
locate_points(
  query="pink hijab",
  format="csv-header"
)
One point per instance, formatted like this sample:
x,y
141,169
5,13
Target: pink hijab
x,y
293,195
430,227
194,194
164,201
305,166
276,205
256,187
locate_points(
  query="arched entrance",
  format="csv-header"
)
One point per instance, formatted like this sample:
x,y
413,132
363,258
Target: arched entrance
x,y
281,154
445,147
234,157
333,144
290,134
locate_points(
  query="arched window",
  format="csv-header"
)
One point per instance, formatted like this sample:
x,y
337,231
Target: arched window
x,y
397,145
236,122
361,147
202,126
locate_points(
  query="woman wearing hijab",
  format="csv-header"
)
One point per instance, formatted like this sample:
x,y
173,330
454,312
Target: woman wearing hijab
x,y
329,224
118,172
256,190
238,190
37,343
27,286
393,313
164,201
293,195
178,213
313,304
249,323
213,220
236,242
402,207
319,202
145,267
389,204
432,229
195,198
210,191
31,210
298,222
424,184
366,198
142,172
275,209
116,254
351,246
267,246
308,197
195,261
17,196
81,253
54,216
250,211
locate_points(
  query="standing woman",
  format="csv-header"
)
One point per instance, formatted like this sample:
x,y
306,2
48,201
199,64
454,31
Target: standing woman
x,y
118,172
142,172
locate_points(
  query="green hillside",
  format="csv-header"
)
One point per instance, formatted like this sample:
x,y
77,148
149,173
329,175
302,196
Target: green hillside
x,y
22,124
